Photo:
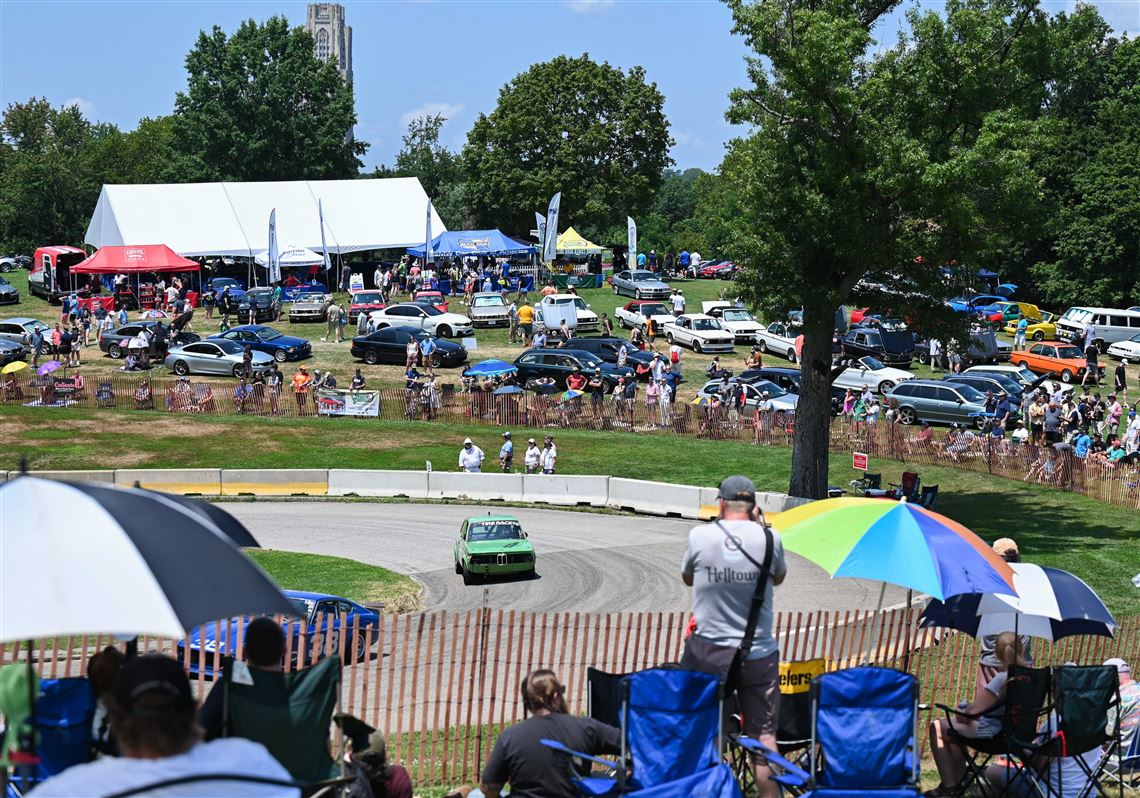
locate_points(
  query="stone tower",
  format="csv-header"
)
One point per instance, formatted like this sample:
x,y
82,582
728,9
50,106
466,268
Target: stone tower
x,y
333,38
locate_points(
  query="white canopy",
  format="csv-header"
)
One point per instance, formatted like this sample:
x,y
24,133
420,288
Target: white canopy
x,y
292,256
233,218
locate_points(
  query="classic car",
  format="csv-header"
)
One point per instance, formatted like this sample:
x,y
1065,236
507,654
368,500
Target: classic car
x,y
1055,358
390,345
700,332
213,356
978,303
1040,328
365,302
640,284
266,339
633,314
736,320
435,298
424,317
488,309
310,305
585,319
778,338
892,346
492,545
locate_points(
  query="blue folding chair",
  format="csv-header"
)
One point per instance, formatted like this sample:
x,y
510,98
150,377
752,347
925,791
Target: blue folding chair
x,y
63,715
671,739
863,732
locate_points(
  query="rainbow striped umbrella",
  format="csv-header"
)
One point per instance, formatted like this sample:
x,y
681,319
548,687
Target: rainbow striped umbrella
x,y
895,543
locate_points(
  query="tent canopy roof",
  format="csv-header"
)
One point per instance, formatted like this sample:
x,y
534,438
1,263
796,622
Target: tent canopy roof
x,y
233,218
572,241
473,242
132,260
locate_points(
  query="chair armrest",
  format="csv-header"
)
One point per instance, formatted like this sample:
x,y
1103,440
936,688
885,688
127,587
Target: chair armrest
x,y
794,775
554,745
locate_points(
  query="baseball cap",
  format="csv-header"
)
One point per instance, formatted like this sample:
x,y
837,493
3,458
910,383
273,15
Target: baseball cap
x,y
1004,546
737,488
152,675
1120,665
530,440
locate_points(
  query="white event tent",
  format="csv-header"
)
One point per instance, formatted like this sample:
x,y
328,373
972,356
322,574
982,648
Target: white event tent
x,y
233,218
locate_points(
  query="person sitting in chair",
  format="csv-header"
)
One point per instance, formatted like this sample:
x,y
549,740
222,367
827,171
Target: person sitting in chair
x,y
264,650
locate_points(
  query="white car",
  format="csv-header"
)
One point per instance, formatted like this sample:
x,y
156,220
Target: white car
x,y
587,319
778,338
636,312
1126,350
754,394
870,372
699,332
424,317
736,320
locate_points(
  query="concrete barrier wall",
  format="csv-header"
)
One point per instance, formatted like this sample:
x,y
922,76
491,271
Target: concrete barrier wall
x,y
275,482
362,482
200,481
654,498
480,487
106,477
565,490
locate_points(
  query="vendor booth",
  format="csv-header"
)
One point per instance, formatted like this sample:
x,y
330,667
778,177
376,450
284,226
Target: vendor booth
x,y
481,243
139,262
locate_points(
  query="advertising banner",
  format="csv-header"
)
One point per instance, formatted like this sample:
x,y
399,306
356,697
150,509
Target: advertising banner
x,y
336,402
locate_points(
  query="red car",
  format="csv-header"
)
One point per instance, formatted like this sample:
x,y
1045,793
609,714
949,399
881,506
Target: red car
x,y
365,302
717,268
438,301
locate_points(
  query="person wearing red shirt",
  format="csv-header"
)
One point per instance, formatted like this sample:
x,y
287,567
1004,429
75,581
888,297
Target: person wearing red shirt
x,y
576,381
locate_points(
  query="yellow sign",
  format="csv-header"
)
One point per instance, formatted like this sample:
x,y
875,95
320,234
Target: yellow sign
x,y
796,677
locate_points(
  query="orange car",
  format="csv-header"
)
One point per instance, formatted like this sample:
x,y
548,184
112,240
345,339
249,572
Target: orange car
x,y
434,298
1056,358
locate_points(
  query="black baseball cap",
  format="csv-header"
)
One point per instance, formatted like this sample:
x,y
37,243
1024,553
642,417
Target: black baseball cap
x,y
152,675
737,489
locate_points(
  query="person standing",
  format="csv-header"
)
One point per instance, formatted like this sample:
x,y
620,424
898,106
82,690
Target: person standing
x,y
35,341
607,325
273,382
301,383
332,319
471,457
732,565
1120,380
678,303
549,457
427,351
341,322
1092,365
1019,335
413,353
532,458
506,453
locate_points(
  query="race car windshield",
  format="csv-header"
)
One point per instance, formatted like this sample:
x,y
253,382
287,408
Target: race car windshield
x,y
706,324
485,531
304,606
488,302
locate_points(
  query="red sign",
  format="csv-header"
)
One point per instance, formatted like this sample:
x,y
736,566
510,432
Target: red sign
x,y
859,461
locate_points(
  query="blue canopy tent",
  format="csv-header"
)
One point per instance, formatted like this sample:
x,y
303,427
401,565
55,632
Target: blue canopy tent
x,y
458,243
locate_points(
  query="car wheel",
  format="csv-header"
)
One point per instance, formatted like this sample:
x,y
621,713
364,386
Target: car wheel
x,y
669,338
907,415
1038,335
371,358
791,356
1066,376
637,294
468,577
924,358
443,331
697,347
180,368
616,292
885,386
358,651
764,347
622,324
5,267
458,567
980,422
239,371
280,355
115,351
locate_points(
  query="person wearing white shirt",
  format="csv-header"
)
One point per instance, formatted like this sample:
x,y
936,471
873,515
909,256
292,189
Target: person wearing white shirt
x,y
678,303
471,457
695,260
532,459
1020,433
378,277
549,457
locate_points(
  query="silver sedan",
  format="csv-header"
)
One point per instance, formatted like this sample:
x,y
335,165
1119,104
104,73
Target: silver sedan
x,y
640,284
216,356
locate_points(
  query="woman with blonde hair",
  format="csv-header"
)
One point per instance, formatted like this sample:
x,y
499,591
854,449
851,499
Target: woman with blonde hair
x,y
977,719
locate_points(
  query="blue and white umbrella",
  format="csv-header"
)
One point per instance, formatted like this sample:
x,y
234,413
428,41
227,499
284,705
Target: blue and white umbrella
x,y
1050,603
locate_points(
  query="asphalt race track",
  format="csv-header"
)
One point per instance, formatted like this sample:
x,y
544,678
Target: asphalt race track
x,y
587,562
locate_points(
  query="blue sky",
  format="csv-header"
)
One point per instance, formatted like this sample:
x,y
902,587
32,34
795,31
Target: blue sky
x,y
120,61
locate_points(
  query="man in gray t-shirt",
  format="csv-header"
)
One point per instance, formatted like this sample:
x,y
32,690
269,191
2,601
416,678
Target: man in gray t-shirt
x,y
719,566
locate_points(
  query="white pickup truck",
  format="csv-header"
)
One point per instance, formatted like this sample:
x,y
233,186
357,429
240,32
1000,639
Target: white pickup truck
x,y
699,332
634,314
736,320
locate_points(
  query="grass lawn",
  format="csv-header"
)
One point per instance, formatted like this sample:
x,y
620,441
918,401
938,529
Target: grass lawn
x,y
1099,542
339,576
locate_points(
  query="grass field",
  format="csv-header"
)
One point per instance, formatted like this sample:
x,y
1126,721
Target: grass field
x,y
1099,542
339,576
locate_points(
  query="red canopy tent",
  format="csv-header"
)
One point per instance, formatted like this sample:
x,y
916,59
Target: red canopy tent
x,y
135,260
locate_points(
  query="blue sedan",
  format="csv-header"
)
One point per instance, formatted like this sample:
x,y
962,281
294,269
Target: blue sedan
x,y
975,304
266,339
320,630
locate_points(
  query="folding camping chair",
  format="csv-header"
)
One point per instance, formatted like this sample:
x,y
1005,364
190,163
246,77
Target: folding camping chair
x,y
604,696
1026,702
105,394
867,482
63,713
670,721
928,497
907,487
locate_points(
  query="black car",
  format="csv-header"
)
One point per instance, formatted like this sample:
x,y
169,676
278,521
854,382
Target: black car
x,y
789,379
892,346
390,345
9,294
607,349
11,351
258,304
559,364
114,342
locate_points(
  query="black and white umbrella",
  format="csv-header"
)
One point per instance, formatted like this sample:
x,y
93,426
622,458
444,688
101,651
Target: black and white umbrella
x,y
87,558
234,529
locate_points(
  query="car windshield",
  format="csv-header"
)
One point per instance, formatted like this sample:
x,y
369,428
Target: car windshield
x,y
267,333
1135,339
706,324
488,302
1079,315
430,309
367,298
259,292
310,295
484,531
223,282
304,606
737,315
1069,352
229,347
638,277
772,388
655,309
871,363
970,394
590,359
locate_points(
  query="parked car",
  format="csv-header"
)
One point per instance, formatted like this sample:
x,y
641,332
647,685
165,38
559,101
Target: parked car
x,y
633,314
716,269
938,402
114,342
700,332
213,356
975,304
10,263
492,545
559,364
1022,376
321,616
754,391
310,305
607,349
984,348
219,284
11,351
736,320
1126,350
435,298
1055,358
488,309
998,384
9,294
871,372
1109,325
365,302
258,304
640,284
790,380
890,345
16,329
390,345
778,338
268,340
553,306
1040,328
424,317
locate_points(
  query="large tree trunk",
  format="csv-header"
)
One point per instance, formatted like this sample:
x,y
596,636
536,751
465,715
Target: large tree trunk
x,y
813,411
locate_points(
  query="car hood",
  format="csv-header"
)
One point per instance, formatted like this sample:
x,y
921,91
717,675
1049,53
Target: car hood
x,y
451,318
8,289
287,341
259,300
308,303
500,546
655,285
492,310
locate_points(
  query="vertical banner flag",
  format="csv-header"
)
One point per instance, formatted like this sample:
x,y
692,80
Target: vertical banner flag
x,y
540,226
428,257
551,240
631,230
274,255
324,246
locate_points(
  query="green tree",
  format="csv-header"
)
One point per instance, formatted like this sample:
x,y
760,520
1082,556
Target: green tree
x,y
595,133
881,163
259,105
438,169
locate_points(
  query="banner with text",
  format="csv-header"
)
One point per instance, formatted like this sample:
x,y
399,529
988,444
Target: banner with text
x,y
335,402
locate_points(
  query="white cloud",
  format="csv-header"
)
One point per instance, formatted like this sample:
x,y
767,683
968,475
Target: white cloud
x,y
591,6
447,110
688,138
85,107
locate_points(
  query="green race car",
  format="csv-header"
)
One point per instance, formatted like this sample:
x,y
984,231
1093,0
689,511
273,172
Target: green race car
x,y
492,544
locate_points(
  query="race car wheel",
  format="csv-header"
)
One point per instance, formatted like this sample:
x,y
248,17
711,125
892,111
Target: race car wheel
x,y
458,567
443,331
280,355
180,368
115,351
885,387
371,358
358,651
468,577
907,415
1038,335
5,266
697,346
1066,376
924,358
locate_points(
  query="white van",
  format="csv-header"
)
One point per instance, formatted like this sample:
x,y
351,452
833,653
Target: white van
x,y
1109,325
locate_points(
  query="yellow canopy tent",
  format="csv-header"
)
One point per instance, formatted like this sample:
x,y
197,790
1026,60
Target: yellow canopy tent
x,y
571,242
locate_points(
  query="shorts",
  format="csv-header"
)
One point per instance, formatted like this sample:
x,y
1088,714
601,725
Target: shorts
x,y
758,694
1053,436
